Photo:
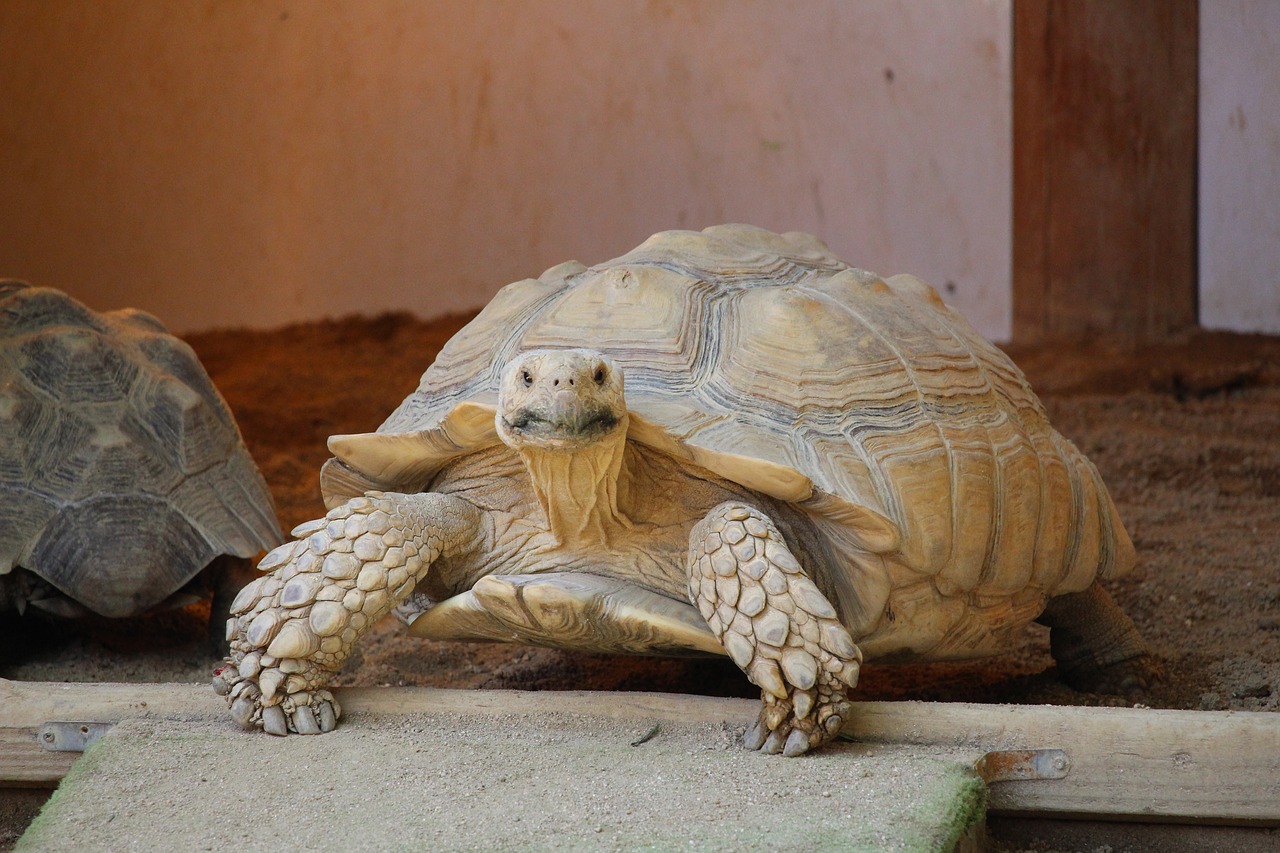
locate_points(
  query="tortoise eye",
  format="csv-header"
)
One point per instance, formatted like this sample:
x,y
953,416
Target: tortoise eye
x,y
599,376
526,377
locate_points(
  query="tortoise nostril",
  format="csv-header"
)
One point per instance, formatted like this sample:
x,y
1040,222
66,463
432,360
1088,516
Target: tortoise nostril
x,y
555,382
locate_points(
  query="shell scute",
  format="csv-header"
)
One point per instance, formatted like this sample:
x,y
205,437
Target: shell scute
x,y
654,317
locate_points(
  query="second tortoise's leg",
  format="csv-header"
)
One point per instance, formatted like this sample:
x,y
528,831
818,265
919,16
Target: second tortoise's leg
x,y
228,575
775,624
1096,646
291,630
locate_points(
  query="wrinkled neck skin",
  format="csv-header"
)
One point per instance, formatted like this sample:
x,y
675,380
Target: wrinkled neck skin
x,y
578,488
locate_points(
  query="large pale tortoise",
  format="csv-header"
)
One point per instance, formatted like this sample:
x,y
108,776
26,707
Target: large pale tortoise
x,y
124,483
809,465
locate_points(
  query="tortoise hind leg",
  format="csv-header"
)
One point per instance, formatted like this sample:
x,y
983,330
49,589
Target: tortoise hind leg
x,y
776,625
1097,647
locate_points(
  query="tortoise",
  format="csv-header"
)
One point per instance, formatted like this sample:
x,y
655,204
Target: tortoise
x,y
124,483
809,465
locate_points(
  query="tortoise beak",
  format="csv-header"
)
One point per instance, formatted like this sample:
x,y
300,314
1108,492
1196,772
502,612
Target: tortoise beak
x,y
565,418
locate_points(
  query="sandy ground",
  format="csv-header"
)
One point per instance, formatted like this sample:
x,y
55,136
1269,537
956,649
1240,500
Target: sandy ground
x,y
1187,435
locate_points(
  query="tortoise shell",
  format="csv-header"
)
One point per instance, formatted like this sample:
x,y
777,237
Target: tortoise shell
x,y
917,447
122,473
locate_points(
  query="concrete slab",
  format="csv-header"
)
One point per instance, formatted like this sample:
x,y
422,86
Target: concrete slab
x,y
554,781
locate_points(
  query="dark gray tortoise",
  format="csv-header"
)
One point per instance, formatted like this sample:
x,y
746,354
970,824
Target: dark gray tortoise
x,y
123,477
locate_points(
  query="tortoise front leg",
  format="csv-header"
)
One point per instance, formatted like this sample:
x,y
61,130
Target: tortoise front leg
x,y
776,625
291,630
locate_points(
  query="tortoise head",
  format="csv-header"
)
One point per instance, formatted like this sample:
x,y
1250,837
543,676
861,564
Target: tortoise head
x,y
560,400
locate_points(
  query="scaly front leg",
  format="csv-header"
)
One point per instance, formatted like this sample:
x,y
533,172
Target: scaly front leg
x,y
291,630
775,624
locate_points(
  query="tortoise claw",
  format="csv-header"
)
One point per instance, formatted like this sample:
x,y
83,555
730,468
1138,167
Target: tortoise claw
x,y
273,721
328,717
774,744
242,712
304,721
797,744
756,736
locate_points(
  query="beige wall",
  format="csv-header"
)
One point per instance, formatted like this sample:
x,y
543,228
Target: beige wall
x,y
253,163
1240,165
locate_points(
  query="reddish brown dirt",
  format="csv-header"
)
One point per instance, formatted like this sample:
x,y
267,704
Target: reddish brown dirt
x,y
1186,434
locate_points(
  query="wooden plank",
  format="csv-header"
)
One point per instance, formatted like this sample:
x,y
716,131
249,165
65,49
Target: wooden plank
x,y
24,764
25,706
1213,767
1104,165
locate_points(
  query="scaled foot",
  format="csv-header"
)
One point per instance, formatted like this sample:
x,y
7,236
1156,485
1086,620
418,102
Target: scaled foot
x,y
1135,677
1096,645
291,630
304,711
776,625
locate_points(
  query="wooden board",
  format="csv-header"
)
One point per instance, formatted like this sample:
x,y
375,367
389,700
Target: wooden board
x,y
1104,171
1212,767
